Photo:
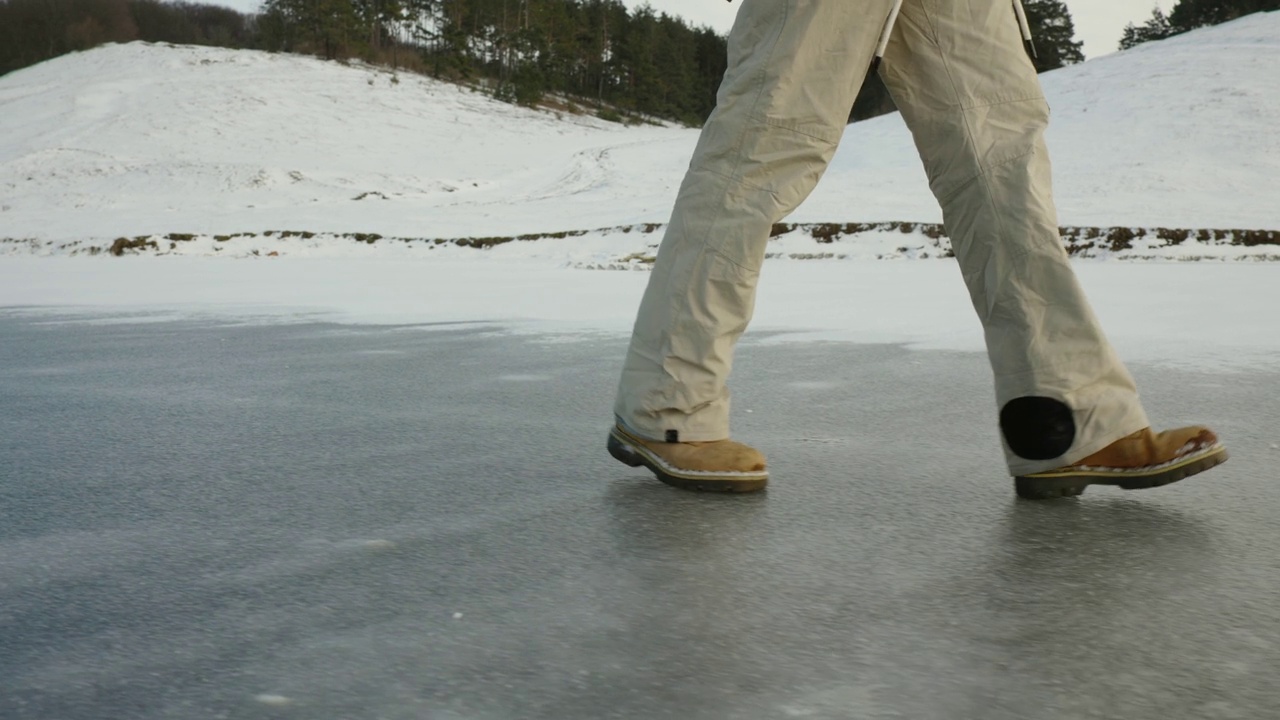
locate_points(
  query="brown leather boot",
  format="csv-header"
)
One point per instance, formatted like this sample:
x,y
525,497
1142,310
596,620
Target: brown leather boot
x,y
719,466
1141,460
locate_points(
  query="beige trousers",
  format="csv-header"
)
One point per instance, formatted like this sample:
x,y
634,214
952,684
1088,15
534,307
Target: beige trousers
x,y
968,92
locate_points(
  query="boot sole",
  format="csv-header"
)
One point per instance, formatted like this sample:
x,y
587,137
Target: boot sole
x,y
1063,483
634,455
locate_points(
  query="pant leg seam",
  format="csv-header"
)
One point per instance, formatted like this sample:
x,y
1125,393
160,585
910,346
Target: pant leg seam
x,y
1009,101
983,171
785,125
737,179
1001,233
1041,369
680,300
755,104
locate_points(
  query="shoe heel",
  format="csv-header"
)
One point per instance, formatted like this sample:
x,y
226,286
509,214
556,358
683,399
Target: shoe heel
x,y
1047,488
622,453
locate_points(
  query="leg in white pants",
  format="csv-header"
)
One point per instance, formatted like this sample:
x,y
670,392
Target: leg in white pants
x,y
971,98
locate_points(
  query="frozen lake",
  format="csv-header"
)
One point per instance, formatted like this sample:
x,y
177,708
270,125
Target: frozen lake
x,y
205,519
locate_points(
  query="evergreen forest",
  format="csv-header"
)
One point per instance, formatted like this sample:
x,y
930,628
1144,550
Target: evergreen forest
x,y
1189,15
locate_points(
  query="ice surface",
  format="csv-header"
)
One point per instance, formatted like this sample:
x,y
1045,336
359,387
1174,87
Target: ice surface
x,y
201,519
357,482
1182,314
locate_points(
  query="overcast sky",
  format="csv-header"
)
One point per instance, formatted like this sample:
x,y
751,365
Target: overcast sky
x,y
1099,23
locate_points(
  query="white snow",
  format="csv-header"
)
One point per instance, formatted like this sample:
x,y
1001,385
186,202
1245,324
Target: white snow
x,y
139,139
147,140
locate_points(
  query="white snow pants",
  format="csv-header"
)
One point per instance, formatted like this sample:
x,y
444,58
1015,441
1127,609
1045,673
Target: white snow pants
x,y
959,73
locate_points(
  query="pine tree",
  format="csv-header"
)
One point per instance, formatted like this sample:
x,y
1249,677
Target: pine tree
x,y
1191,14
331,28
1053,34
1157,27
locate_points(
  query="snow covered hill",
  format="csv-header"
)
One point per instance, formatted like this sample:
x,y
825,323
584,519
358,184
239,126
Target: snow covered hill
x,y
146,140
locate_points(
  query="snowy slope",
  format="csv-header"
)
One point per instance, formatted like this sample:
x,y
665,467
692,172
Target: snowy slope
x,y
144,138
141,139
1179,133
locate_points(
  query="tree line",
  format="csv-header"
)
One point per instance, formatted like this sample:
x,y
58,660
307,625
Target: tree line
x,y
635,62
1189,15
33,31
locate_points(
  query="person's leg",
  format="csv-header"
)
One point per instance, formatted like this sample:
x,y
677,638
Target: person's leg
x,y
958,72
795,67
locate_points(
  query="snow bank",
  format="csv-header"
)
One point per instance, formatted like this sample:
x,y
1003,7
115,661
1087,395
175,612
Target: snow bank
x,y
634,247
